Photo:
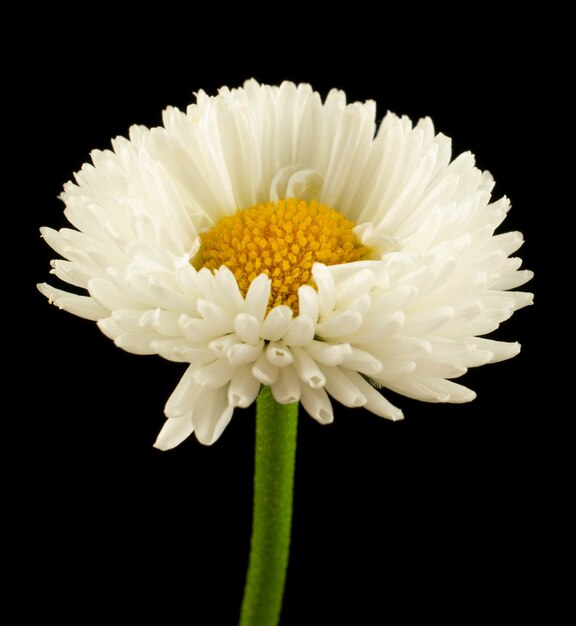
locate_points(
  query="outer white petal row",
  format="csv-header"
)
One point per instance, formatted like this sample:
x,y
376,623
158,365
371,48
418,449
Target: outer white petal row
x,y
409,320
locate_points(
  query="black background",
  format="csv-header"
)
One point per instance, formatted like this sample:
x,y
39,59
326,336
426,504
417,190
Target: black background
x,y
440,513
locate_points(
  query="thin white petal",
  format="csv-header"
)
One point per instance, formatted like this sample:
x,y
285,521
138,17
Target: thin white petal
x,y
375,401
110,297
264,371
215,374
163,322
300,332
500,350
276,323
342,323
308,302
286,389
219,319
221,346
211,415
326,289
364,362
242,353
359,284
317,404
174,432
329,353
243,388
181,401
83,306
257,297
278,354
340,387
431,389
307,369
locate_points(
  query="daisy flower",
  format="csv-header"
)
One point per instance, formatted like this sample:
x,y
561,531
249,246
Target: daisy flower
x,y
265,237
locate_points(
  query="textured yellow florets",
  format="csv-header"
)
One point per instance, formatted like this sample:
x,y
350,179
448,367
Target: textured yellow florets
x,y
282,240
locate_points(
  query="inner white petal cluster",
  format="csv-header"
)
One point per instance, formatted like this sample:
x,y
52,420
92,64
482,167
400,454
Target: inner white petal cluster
x,y
410,319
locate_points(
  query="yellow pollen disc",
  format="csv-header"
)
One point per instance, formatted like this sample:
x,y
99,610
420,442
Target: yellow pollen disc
x,y
282,240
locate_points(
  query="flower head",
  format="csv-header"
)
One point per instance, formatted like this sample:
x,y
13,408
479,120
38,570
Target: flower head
x,y
265,237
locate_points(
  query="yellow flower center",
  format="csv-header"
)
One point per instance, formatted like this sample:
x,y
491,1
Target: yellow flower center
x,y
282,240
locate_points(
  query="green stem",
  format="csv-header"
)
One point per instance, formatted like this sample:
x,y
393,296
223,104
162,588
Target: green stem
x,y
276,426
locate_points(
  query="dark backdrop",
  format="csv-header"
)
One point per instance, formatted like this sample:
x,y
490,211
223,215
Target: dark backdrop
x,y
436,513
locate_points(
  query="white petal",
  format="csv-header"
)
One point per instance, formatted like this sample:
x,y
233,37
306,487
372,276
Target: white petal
x,y
82,306
215,374
286,389
278,354
181,351
500,350
227,289
110,297
329,353
276,323
375,401
304,184
243,388
307,369
264,371
73,273
257,297
428,321
364,362
308,302
359,284
378,331
211,415
408,348
163,322
339,324
242,353
431,389
392,368
326,289
221,346
300,332
181,401
219,319
110,328
317,404
174,432
247,327
340,387
514,280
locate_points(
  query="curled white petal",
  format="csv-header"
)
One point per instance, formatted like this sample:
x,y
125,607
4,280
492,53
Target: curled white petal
x,y
307,368
286,388
317,404
264,371
278,354
243,388
276,323
248,328
329,353
242,353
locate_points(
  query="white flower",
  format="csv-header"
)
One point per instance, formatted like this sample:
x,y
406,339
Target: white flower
x,y
388,280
